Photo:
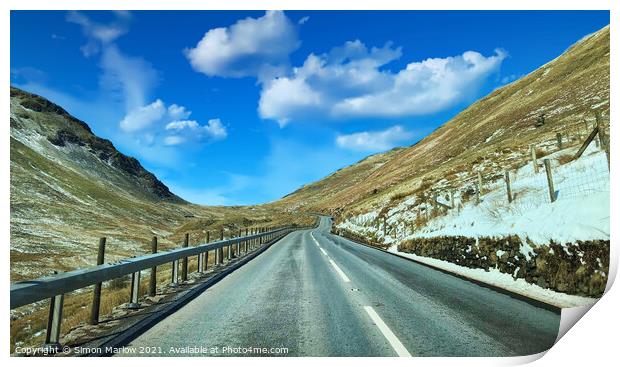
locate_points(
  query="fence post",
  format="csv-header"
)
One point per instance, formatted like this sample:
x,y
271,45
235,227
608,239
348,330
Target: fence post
x,y
239,244
220,251
550,180
200,265
207,254
184,265
508,190
245,243
52,336
153,282
534,161
602,136
558,136
94,310
135,291
175,273
479,191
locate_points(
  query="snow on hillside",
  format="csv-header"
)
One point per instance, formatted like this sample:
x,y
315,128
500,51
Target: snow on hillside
x,y
581,211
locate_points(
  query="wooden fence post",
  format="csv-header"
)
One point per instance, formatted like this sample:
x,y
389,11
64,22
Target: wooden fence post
x,y
602,136
52,335
175,273
207,253
153,282
558,136
200,264
184,265
479,191
550,180
239,244
94,310
135,291
534,160
508,190
220,251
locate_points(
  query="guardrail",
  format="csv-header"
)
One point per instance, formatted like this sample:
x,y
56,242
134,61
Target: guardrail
x,y
56,286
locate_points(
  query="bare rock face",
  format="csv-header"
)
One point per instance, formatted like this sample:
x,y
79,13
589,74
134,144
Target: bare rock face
x,y
578,268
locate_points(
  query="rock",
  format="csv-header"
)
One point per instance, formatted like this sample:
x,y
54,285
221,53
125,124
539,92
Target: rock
x,y
542,283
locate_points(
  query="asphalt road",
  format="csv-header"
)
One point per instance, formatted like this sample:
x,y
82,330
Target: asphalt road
x,y
316,294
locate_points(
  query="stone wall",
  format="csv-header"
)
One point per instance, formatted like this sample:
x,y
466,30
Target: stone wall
x,y
578,268
358,238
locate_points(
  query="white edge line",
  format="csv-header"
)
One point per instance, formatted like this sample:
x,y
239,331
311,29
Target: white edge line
x,y
399,348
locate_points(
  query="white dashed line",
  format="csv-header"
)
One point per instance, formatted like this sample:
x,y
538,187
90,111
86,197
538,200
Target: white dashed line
x,y
399,348
344,277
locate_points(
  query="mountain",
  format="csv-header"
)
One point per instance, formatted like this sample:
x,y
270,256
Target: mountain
x,y
500,125
70,187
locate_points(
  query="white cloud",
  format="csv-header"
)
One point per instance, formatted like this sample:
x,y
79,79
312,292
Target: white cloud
x,y
131,77
173,140
250,47
215,129
180,125
98,32
177,112
353,81
191,130
374,140
143,116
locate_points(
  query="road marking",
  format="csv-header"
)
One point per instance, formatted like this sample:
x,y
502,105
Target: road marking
x,y
344,277
399,348
314,239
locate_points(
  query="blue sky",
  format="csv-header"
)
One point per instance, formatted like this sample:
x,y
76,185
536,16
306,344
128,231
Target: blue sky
x,y
235,107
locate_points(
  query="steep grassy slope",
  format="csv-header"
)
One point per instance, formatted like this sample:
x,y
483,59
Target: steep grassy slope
x,y
70,187
498,127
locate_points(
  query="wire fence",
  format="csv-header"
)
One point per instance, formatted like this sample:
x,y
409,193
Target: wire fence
x,y
525,183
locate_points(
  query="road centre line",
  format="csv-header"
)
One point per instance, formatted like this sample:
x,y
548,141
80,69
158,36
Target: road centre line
x,y
344,277
398,347
395,343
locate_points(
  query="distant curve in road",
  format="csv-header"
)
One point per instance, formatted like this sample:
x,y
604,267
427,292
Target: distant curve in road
x,y
317,294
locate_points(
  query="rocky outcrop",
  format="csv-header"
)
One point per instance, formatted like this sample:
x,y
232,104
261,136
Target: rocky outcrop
x,y
579,268
74,131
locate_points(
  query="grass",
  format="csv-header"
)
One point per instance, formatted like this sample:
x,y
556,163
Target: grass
x,y
564,89
77,305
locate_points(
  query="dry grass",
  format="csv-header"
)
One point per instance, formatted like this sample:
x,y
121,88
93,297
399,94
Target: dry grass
x,y
490,131
76,306
566,158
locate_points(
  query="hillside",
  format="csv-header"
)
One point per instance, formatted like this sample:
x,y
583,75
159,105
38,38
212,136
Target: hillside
x,y
500,125
469,199
70,187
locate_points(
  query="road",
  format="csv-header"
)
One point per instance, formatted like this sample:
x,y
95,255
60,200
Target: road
x,y
317,294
